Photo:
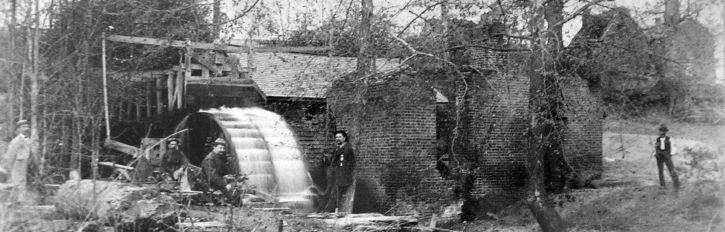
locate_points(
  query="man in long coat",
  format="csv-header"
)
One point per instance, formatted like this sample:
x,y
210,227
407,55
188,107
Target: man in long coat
x,y
16,158
340,170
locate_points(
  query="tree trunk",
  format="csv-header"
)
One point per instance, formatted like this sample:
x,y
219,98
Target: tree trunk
x,y
34,92
545,128
10,107
365,59
672,13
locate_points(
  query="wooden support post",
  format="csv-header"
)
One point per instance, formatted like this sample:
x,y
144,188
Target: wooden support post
x,y
149,96
179,88
170,88
137,104
159,92
187,72
119,110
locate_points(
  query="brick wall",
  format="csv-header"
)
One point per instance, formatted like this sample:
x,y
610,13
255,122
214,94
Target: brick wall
x,y
583,136
497,118
391,124
497,121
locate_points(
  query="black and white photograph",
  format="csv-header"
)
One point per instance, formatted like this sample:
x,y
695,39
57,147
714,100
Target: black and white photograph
x,y
362,115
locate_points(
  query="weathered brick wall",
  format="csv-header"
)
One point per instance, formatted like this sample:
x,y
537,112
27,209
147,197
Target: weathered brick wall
x,y
497,115
392,128
497,122
583,136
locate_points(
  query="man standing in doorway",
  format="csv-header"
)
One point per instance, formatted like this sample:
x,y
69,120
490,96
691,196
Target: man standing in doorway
x,y
15,160
663,154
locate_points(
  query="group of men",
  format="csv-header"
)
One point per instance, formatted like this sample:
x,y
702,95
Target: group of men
x,y
339,165
175,165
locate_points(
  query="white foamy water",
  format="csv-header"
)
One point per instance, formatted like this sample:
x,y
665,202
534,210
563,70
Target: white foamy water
x,y
267,151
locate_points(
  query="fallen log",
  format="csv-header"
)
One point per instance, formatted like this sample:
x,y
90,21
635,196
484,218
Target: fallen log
x,y
126,206
352,220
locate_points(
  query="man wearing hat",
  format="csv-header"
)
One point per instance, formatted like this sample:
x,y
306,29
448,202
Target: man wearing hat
x,y
212,167
173,158
663,154
15,160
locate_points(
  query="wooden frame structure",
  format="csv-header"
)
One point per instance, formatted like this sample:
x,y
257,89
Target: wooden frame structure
x,y
203,65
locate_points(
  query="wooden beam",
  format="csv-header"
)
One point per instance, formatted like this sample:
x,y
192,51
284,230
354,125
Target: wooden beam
x,y
211,46
149,96
122,147
187,72
137,103
176,43
178,87
170,89
206,64
159,92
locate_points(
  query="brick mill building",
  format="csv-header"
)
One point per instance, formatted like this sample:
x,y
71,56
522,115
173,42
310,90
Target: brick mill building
x,y
400,119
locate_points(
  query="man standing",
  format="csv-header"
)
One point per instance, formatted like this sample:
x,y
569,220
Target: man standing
x,y
15,160
342,164
663,154
173,159
213,167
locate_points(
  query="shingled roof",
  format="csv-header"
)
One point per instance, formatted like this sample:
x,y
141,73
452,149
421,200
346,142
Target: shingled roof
x,y
303,76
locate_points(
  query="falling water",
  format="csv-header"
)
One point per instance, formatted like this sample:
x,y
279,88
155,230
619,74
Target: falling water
x,y
266,150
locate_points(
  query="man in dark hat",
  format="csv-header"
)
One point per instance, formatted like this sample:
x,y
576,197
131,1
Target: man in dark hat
x,y
663,154
213,167
173,158
15,160
340,171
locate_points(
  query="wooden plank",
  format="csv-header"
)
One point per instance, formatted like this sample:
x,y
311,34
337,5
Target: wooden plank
x,y
176,43
119,109
178,88
149,96
159,92
170,90
211,46
137,104
187,73
204,64
122,147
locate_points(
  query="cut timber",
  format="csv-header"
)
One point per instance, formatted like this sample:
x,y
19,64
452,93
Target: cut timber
x,y
273,209
122,147
202,226
210,46
121,204
113,165
176,43
352,220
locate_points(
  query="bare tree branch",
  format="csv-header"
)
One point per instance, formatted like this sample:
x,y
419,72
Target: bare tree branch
x,y
577,12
